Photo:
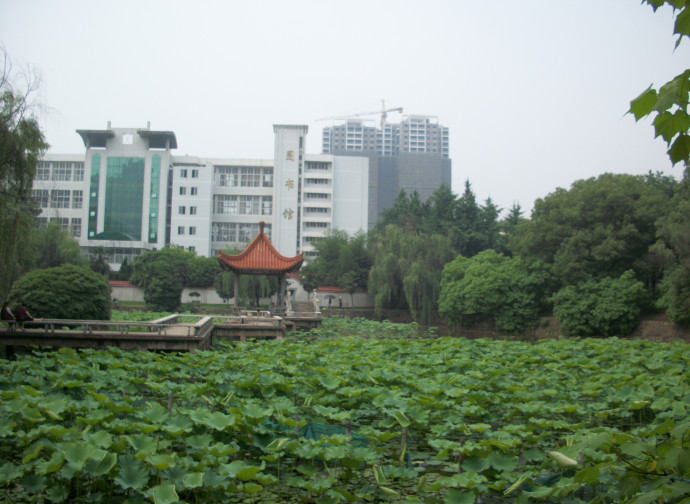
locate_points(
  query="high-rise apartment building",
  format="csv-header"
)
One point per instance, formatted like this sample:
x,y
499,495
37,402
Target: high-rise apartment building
x,y
412,155
128,194
415,133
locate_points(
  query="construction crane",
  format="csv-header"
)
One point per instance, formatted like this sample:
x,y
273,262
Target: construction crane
x,y
384,113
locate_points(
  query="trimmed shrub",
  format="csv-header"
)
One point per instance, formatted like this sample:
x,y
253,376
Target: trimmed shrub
x,y
64,292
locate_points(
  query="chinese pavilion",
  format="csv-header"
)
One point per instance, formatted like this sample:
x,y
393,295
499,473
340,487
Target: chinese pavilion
x,y
260,258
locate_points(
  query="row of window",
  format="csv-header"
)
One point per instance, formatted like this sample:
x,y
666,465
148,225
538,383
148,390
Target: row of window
x,y
183,210
60,171
57,198
72,226
233,232
244,176
325,196
181,230
231,204
193,191
184,172
309,165
317,225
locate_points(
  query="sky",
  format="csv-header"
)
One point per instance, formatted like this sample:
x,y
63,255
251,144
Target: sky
x,y
534,93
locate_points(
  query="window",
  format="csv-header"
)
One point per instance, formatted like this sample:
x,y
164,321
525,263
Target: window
x,y
250,176
195,191
195,173
62,171
249,205
78,174
181,210
267,205
225,204
192,248
192,210
43,171
268,177
227,176
42,222
59,198
224,232
183,190
180,230
77,198
183,173
192,230
40,196
75,227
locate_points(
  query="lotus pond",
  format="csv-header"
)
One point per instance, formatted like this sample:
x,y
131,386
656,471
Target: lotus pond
x,y
358,411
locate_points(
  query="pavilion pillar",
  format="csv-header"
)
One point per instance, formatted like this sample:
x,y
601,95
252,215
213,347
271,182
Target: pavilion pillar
x,y
281,290
237,290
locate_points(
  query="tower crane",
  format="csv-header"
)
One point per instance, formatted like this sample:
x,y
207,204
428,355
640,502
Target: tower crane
x,y
384,113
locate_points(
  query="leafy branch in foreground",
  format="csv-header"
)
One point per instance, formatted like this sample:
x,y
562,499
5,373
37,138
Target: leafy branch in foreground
x,y
670,101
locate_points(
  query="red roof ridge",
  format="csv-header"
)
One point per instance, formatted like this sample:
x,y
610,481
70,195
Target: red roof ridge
x,y
260,256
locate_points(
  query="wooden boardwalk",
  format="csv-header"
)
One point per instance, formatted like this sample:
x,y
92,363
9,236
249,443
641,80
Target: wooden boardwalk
x,y
163,334
166,334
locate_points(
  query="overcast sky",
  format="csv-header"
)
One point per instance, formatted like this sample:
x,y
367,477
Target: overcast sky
x,y
534,92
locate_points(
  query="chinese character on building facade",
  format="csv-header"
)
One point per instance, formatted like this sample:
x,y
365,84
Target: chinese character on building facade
x,y
290,155
288,213
289,183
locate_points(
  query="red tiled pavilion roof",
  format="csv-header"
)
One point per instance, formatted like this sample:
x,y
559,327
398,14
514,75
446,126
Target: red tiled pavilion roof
x,y
260,258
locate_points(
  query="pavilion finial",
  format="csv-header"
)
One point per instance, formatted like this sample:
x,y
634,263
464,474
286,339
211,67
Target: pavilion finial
x,y
261,226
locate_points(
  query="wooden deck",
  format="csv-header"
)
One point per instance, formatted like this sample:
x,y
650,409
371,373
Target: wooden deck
x,y
165,334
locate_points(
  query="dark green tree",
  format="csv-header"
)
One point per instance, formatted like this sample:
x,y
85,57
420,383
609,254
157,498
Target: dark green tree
x,y
125,271
98,261
601,227
407,211
343,261
673,251
21,145
164,293
605,307
64,292
490,285
163,275
202,271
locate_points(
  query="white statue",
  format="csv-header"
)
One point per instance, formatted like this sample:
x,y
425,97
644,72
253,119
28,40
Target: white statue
x,y
289,301
315,300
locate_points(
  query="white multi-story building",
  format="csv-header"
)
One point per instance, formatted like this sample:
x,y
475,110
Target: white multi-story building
x,y
128,194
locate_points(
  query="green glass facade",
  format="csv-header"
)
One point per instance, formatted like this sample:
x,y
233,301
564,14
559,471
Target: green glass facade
x,y
93,195
154,194
124,198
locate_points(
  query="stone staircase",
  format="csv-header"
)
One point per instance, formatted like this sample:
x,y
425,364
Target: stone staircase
x,y
303,307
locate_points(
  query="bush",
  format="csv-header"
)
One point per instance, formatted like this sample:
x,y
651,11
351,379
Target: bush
x,y
607,307
164,293
64,292
490,285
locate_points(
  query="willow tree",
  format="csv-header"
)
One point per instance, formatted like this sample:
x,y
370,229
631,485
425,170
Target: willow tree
x,y
406,273
21,146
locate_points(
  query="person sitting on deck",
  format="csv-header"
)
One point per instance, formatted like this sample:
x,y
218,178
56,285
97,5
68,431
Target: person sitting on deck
x,y
7,316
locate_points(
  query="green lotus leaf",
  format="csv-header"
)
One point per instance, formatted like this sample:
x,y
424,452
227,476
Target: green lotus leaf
x,y
133,473
193,480
164,494
9,472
